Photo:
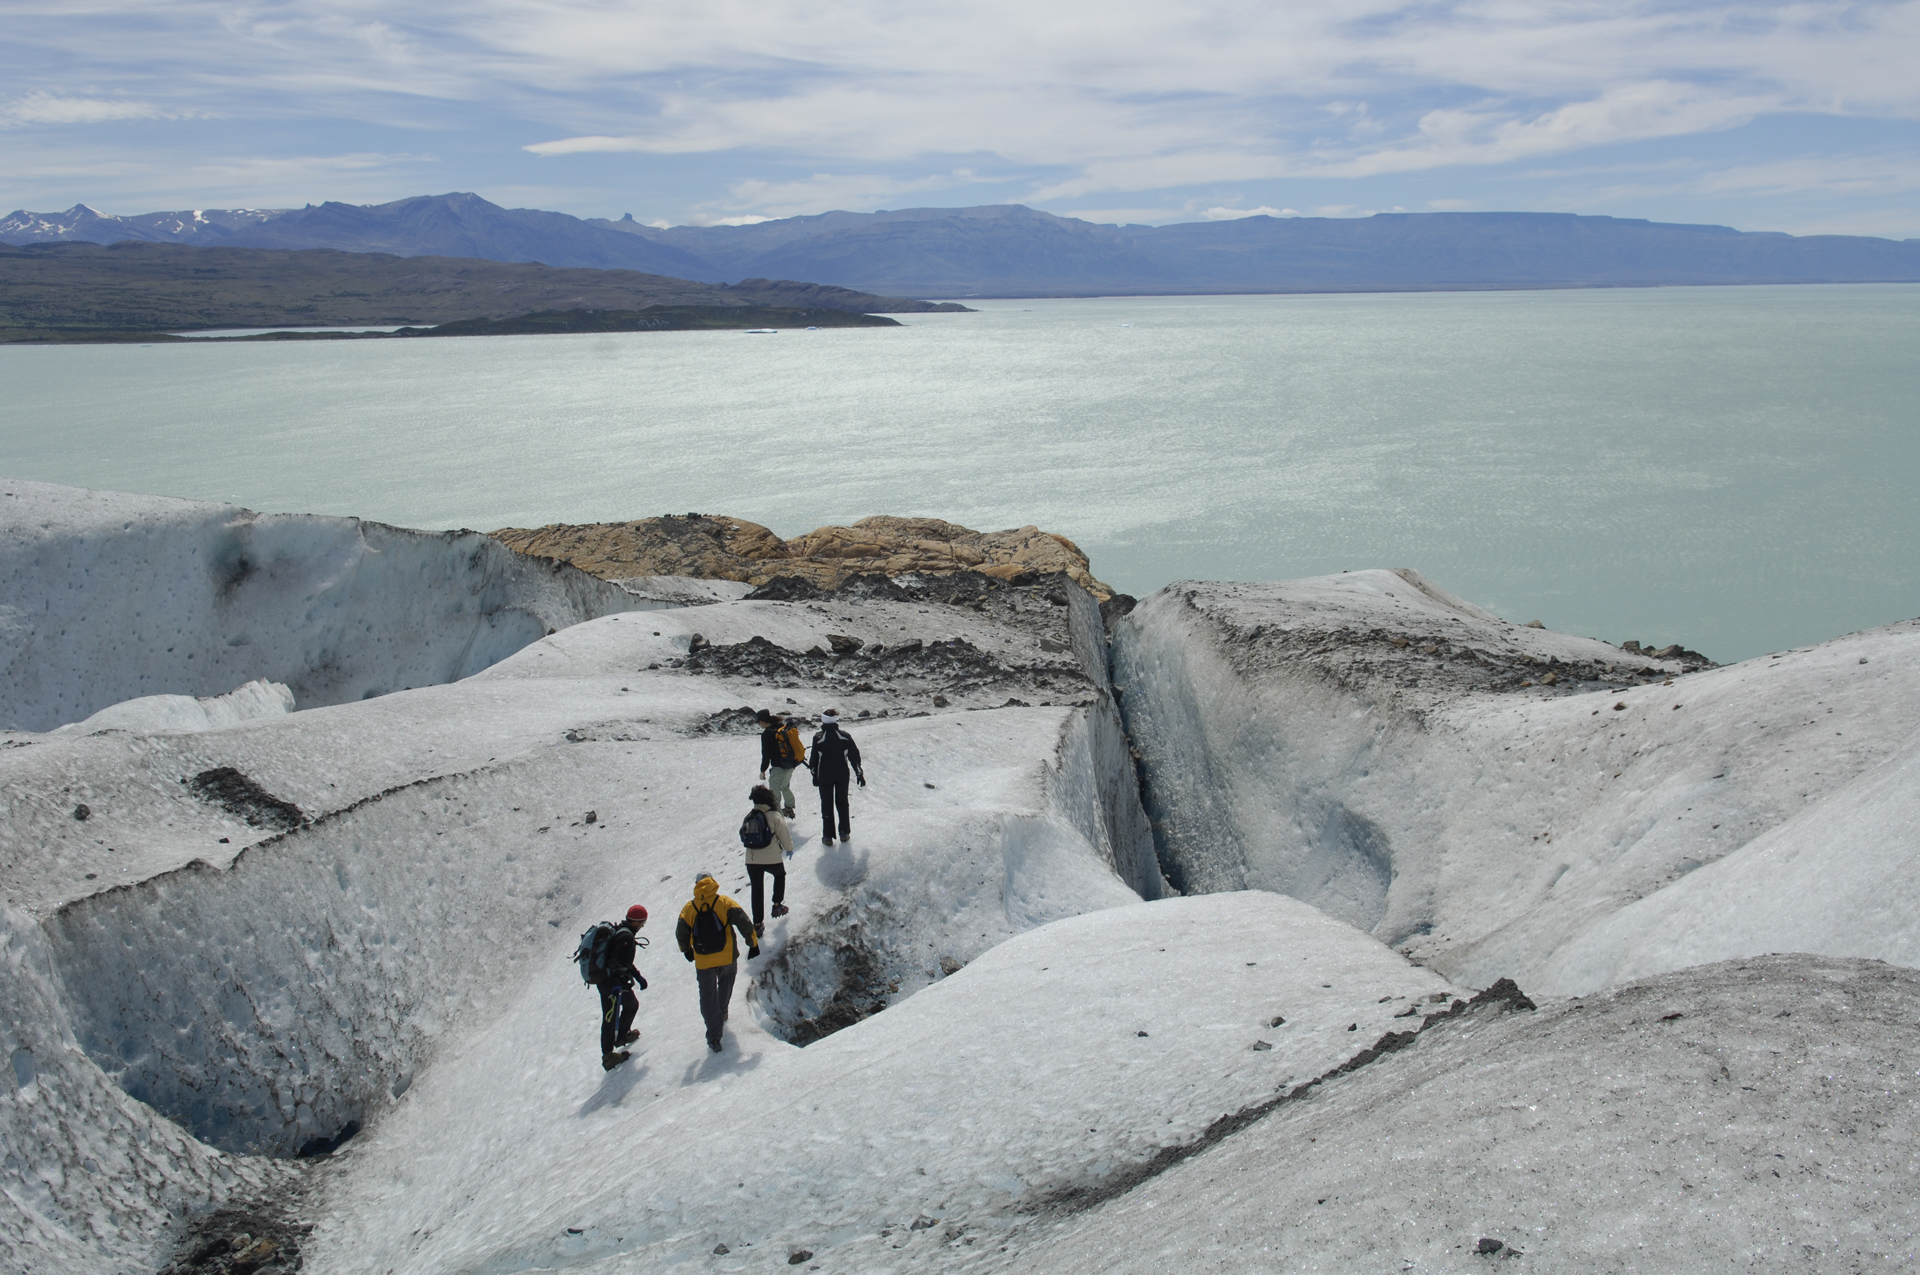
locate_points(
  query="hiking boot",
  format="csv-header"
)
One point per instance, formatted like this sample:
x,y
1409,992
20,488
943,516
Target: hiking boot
x,y
714,1045
628,1037
609,1061
779,909
788,813
826,841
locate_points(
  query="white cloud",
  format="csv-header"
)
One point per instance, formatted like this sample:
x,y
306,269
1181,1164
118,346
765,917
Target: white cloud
x,y
1878,223
1841,177
1233,214
1123,96
146,177
1128,216
826,192
282,171
1145,96
587,146
1883,173
1491,134
49,108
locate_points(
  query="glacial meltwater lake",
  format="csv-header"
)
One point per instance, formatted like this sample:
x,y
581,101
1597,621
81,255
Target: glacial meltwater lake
x,y
1734,469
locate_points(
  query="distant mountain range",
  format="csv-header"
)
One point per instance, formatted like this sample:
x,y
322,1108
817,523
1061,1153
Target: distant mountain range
x,y
1011,250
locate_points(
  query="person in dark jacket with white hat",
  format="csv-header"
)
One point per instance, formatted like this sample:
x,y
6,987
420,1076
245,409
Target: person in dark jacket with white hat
x,y
833,756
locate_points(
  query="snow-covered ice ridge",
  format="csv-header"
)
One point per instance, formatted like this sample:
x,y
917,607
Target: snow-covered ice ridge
x,y
1374,746
105,596
273,929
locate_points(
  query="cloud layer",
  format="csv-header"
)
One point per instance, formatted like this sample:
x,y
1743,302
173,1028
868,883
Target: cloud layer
x,y
1210,108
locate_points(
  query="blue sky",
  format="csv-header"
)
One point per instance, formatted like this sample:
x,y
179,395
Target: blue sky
x,y
1802,117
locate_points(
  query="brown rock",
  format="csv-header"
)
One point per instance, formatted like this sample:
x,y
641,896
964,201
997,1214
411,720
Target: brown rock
x,y
714,547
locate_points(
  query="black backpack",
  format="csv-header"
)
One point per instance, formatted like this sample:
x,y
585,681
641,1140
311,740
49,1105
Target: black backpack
x,y
592,953
755,832
709,931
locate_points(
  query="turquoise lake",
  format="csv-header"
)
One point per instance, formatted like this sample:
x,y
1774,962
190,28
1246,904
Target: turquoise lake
x,y
1730,468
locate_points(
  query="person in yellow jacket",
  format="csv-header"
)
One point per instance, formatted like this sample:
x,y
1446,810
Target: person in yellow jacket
x,y
705,935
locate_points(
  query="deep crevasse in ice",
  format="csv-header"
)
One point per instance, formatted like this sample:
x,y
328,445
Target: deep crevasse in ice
x,y
1367,744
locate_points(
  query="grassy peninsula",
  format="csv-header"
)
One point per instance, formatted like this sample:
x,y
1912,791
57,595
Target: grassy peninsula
x,y
133,291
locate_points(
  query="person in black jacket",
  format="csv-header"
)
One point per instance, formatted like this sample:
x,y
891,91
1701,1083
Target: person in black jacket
x,y
833,754
618,1004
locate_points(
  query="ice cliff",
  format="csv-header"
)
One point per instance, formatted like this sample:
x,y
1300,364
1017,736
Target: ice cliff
x,y
106,596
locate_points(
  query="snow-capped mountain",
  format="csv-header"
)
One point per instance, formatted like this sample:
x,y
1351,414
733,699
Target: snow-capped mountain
x,y
84,225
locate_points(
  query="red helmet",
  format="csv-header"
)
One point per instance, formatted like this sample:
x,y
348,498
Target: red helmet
x,y
637,913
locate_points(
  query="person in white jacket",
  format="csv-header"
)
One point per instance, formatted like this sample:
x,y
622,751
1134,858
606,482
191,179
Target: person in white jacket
x,y
769,856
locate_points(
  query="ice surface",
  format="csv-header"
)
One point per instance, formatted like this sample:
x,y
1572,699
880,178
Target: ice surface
x,y
270,990
92,1179
1837,878
231,927
1758,1115
664,592
1396,760
106,597
164,714
1052,1061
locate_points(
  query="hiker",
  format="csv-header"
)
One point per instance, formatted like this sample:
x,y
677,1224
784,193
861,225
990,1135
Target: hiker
x,y
705,934
781,753
833,752
764,833
606,954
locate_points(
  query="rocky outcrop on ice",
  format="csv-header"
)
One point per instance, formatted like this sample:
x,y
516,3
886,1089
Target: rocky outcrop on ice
x,y
1502,800
106,596
715,547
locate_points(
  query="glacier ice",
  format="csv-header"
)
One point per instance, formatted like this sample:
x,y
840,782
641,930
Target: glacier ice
x,y
110,596
157,714
1007,1015
1385,753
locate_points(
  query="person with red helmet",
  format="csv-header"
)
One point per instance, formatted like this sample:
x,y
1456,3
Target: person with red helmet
x,y
606,958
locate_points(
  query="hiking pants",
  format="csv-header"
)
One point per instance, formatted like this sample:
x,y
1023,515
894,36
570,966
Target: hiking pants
x,y
716,989
758,872
618,1005
833,797
780,782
